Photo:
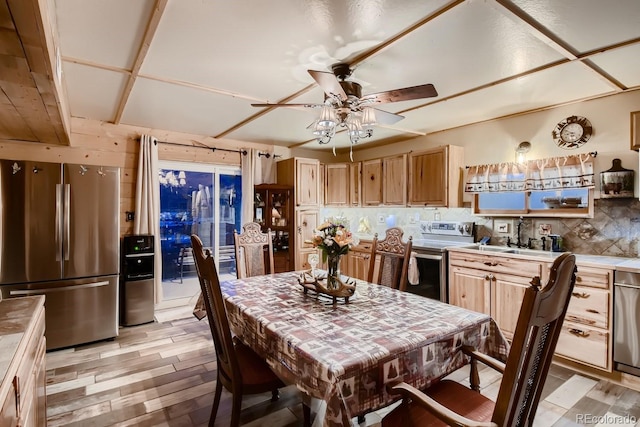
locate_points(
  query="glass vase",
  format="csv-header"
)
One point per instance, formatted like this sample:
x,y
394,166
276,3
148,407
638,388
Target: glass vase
x,y
333,271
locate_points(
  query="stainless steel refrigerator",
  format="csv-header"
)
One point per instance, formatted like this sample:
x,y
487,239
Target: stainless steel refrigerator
x,y
59,237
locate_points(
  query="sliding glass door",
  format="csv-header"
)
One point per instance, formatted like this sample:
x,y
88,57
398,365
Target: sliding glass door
x,y
196,199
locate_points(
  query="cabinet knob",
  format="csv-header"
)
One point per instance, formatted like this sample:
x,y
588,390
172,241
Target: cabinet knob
x,y
491,263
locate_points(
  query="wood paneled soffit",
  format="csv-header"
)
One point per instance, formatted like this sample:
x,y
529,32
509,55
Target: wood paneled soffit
x,y
32,105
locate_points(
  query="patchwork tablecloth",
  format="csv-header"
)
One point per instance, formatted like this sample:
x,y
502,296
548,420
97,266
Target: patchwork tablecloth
x,y
346,353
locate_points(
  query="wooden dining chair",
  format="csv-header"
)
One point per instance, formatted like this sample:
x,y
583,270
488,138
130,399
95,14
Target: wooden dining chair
x,y
524,374
239,369
391,256
250,248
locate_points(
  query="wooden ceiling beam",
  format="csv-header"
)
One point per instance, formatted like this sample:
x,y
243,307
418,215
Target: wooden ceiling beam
x,y
27,51
150,32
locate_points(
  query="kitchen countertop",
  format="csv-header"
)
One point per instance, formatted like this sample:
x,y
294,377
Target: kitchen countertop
x,y
616,263
16,315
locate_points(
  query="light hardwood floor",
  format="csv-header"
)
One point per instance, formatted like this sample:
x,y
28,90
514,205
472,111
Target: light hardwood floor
x,y
163,374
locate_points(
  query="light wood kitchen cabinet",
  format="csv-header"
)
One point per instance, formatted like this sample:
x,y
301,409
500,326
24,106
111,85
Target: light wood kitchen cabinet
x,y
322,198
307,222
586,335
384,181
492,284
470,289
394,184
435,177
355,183
22,391
337,188
372,182
304,176
356,262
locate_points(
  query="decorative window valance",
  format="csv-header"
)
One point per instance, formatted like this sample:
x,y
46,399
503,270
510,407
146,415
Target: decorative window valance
x,y
555,173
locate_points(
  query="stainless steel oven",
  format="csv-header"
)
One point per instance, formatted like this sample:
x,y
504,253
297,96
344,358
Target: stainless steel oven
x,y
431,255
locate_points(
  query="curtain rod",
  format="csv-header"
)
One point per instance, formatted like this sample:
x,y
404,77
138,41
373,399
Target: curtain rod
x,y
243,152
593,154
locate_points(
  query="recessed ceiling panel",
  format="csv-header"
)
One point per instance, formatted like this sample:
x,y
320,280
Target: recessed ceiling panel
x,y
587,24
467,47
282,125
102,32
516,96
93,93
623,64
263,49
183,109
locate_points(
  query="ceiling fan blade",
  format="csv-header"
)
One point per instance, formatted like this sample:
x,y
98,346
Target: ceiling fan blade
x,y
329,83
289,105
405,94
387,118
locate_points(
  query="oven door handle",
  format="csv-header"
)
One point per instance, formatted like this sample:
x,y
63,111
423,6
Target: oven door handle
x,y
429,256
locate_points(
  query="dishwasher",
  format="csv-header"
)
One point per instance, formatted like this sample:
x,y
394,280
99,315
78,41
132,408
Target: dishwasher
x,y
626,321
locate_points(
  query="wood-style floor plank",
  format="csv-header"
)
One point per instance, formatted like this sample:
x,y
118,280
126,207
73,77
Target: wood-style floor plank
x,y
163,374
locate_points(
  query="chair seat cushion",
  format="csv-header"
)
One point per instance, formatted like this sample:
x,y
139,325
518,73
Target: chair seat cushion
x,y
254,369
451,394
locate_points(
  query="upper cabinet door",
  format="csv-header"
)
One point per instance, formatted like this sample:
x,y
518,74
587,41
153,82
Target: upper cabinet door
x,y
372,182
337,184
394,185
435,177
304,176
308,182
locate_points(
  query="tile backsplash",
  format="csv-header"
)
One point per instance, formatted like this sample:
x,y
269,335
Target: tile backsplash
x,y
613,231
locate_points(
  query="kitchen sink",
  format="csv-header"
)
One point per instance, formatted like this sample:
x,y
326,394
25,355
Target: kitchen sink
x,y
501,249
534,252
517,251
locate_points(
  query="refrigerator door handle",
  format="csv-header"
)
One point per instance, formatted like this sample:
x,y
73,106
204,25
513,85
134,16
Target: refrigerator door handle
x,y
58,225
60,289
67,223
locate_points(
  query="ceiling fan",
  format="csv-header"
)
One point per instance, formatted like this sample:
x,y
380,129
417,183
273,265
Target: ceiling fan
x,y
345,106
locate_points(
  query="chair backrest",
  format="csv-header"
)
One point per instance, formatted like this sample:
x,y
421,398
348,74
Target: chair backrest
x,y
250,251
227,363
392,256
534,341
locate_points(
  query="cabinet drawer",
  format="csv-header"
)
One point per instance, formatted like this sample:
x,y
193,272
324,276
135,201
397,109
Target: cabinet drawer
x,y
497,264
596,277
584,344
589,306
363,247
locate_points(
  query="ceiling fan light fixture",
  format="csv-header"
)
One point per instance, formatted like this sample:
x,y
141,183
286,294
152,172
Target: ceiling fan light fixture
x,y
328,117
368,117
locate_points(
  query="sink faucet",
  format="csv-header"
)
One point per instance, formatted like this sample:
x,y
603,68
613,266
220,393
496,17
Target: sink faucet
x,y
519,242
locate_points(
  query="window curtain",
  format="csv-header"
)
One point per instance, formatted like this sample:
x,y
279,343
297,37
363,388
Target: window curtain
x,y
247,171
257,167
147,217
554,173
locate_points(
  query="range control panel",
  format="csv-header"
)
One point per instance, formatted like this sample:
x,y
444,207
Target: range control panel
x,y
447,228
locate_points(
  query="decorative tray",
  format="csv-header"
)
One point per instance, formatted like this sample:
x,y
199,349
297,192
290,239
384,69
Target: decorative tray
x,y
318,285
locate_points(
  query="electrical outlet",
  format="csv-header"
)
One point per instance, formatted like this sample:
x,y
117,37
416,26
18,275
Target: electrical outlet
x,y
381,219
502,227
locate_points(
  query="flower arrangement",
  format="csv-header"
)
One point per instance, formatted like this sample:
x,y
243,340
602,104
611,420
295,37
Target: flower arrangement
x,y
333,237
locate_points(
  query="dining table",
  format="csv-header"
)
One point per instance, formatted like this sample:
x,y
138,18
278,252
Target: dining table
x,y
345,353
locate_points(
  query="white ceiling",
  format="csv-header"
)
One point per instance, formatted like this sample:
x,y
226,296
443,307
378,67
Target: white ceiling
x,y
195,66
